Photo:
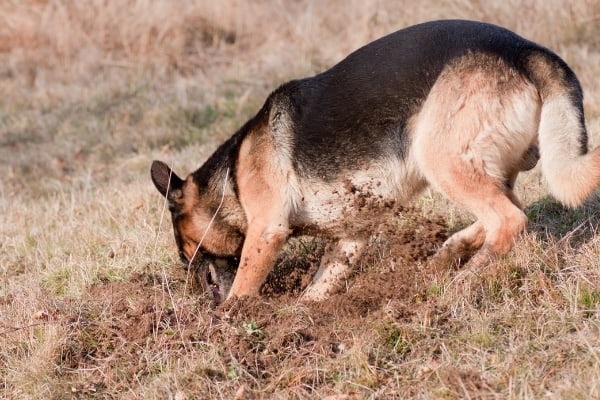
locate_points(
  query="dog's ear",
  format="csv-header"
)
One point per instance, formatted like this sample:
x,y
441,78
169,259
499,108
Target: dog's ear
x,y
165,180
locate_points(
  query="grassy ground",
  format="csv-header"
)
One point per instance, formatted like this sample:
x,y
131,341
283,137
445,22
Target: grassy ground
x,y
92,300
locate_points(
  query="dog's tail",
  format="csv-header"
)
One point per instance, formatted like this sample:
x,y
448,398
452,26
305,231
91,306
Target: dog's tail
x,y
572,171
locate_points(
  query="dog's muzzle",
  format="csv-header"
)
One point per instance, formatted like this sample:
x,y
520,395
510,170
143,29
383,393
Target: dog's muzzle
x,y
216,277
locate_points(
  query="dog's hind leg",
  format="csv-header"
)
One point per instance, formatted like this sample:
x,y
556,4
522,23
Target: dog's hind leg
x,y
476,130
461,245
335,266
499,220
463,179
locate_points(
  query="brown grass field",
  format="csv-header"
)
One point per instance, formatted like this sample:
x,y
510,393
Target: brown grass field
x,y
93,300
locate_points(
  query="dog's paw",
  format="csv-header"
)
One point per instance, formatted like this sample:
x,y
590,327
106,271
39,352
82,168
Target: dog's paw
x,y
468,278
315,293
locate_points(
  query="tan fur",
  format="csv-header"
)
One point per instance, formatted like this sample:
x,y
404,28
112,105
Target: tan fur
x,y
261,186
471,136
550,79
570,176
194,222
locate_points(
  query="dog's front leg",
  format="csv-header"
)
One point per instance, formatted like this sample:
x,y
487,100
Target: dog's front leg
x,y
259,253
335,265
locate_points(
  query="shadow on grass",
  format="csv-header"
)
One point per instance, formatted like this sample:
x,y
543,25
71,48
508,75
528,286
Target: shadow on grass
x,y
554,222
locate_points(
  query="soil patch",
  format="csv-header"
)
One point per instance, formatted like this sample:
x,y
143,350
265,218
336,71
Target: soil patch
x,y
119,326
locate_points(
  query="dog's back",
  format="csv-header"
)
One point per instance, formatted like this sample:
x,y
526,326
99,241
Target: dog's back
x,y
361,108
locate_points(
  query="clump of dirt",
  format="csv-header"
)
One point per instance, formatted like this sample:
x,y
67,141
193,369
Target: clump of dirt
x,y
295,267
117,322
393,267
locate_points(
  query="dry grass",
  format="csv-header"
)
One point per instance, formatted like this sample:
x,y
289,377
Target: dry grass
x,y
91,91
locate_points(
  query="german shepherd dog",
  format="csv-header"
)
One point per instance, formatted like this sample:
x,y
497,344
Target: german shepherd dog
x,y
458,105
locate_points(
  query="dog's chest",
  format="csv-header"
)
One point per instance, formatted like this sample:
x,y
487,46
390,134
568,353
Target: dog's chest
x,y
356,200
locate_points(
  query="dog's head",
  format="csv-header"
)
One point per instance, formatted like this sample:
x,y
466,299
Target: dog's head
x,y
207,240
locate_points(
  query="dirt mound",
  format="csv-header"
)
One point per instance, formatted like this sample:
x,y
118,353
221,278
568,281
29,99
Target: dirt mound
x,y
122,323
393,267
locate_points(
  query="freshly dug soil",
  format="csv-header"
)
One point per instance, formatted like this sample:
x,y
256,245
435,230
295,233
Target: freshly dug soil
x,y
153,313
